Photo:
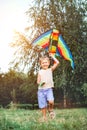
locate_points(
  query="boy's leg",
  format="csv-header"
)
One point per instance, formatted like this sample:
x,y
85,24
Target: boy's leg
x,y
44,110
42,103
50,109
51,103
50,98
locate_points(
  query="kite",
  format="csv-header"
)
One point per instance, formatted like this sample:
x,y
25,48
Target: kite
x,y
53,42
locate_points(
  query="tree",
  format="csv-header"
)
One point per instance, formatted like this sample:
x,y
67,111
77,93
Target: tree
x,y
9,85
69,18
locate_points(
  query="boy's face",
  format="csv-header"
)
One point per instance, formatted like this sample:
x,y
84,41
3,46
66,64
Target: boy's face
x,y
45,63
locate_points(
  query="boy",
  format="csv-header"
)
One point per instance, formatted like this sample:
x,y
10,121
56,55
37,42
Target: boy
x,y
45,85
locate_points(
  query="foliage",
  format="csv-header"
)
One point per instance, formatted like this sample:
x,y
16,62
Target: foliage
x,y
28,90
84,89
17,87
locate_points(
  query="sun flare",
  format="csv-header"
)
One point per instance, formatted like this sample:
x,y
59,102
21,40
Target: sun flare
x,y
10,20
9,23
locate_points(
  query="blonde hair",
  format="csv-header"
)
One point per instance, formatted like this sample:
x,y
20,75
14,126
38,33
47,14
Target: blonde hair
x,y
42,58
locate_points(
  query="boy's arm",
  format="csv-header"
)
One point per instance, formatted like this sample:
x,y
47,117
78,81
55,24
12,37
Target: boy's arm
x,y
38,79
56,62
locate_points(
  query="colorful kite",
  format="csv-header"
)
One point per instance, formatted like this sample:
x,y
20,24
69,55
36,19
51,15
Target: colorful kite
x,y
54,43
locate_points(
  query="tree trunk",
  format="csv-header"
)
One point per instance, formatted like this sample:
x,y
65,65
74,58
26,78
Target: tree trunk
x,y
64,101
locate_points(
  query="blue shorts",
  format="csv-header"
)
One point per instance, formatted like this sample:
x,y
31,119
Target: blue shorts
x,y
44,96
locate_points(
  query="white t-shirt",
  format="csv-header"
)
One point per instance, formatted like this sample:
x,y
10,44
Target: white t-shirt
x,y
47,77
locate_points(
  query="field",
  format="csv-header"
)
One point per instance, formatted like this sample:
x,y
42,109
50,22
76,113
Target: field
x,y
21,119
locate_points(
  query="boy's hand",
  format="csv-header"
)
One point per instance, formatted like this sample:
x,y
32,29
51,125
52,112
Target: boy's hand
x,y
51,54
41,84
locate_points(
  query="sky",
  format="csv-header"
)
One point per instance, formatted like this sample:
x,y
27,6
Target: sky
x,y
12,17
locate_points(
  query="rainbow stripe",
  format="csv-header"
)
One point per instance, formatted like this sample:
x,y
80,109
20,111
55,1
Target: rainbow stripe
x,y
43,40
64,50
53,42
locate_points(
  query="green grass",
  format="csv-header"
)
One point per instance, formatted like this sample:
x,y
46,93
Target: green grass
x,y
20,119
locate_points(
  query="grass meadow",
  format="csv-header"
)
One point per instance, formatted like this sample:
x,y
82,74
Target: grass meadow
x,y
21,119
